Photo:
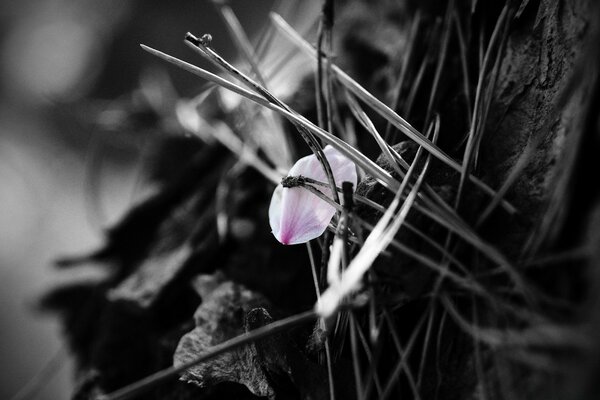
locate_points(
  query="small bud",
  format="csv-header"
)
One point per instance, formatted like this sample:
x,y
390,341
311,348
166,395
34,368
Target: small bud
x,y
206,39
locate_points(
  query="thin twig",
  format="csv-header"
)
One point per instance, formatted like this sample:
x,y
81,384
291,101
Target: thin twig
x,y
408,55
32,388
445,39
240,39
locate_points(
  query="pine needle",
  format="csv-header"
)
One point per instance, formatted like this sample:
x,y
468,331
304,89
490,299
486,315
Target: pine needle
x,y
355,360
473,137
240,39
445,39
403,354
541,335
462,45
409,53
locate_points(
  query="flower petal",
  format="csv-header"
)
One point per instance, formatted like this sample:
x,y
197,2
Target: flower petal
x,y
297,215
275,211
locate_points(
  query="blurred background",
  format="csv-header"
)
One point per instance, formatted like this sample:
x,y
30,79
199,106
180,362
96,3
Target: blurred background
x,y
75,87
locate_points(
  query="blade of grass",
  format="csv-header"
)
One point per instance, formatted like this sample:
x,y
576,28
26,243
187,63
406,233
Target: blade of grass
x,y
408,55
546,335
369,356
414,88
313,269
36,383
516,171
371,374
326,121
521,8
329,369
240,39
445,39
403,354
462,45
475,122
328,22
222,196
324,33
366,122
426,339
355,360
492,80
482,386
438,346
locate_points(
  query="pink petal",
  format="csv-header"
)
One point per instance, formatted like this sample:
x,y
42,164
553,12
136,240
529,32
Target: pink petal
x,y
297,215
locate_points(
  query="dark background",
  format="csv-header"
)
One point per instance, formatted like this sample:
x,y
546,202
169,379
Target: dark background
x,y
60,59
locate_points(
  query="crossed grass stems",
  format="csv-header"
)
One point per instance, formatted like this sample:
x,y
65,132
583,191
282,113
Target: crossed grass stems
x,y
515,298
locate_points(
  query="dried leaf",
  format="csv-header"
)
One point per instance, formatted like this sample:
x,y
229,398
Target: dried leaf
x,y
222,316
269,367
